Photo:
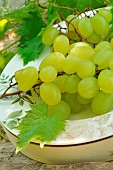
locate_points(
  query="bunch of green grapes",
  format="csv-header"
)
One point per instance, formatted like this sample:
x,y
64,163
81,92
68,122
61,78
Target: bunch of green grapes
x,y
76,75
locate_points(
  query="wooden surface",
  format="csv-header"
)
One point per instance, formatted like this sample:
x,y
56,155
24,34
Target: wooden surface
x,y
11,161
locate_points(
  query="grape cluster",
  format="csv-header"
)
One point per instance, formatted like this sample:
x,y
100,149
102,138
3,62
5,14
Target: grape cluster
x,y
75,75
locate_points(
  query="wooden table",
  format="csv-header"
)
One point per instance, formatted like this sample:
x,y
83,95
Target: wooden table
x,y
11,161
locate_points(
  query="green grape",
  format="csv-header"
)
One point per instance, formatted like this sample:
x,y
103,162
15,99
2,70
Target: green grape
x,y
50,93
61,44
102,58
85,68
105,81
83,100
73,22
85,27
83,52
110,64
94,38
49,36
71,84
62,107
100,25
71,99
3,24
111,43
54,59
70,64
60,82
2,61
48,74
106,14
26,78
88,87
73,45
72,35
103,44
102,103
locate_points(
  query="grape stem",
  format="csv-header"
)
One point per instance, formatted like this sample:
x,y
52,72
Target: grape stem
x,y
40,5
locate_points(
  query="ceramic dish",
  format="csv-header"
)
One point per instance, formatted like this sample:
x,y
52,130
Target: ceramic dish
x,y
89,139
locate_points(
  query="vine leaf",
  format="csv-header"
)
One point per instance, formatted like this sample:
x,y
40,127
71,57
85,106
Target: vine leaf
x,y
31,49
37,125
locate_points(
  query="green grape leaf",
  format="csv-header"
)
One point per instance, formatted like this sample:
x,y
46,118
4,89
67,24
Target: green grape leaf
x,y
30,27
31,49
80,5
37,125
52,13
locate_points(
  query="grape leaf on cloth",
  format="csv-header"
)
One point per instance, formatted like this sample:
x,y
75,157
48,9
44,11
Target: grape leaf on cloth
x,y
31,49
80,5
37,125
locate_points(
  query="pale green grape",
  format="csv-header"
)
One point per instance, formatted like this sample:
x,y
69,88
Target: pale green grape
x,y
84,52
105,81
100,25
62,107
94,38
49,35
102,58
71,99
50,93
60,82
48,74
73,45
74,22
83,100
103,44
88,87
70,64
54,59
71,84
85,27
85,68
26,78
61,44
106,14
102,103
72,35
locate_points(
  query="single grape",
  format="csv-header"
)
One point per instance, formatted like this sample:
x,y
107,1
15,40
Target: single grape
x,y
83,100
49,35
26,78
61,44
71,99
106,14
100,25
72,35
70,64
60,82
102,58
85,68
50,93
62,107
105,81
54,59
88,87
94,38
73,45
102,103
103,44
48,74
85,27
73,22
83,52
71,84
